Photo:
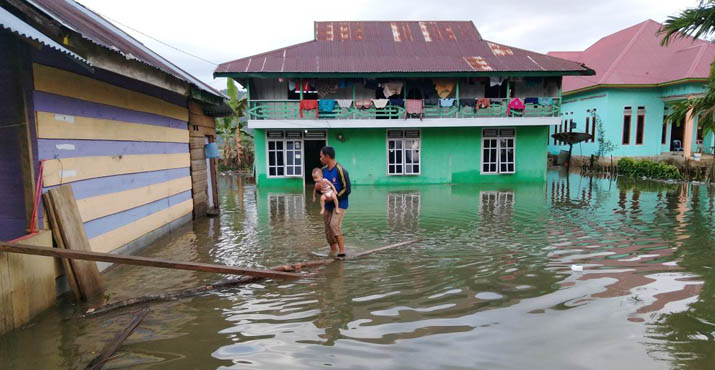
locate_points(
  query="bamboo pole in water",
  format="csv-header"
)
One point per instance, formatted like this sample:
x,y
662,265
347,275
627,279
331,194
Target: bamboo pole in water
x,y
117,341
190,292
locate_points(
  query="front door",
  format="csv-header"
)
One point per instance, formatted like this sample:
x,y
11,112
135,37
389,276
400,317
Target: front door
x,y
311,151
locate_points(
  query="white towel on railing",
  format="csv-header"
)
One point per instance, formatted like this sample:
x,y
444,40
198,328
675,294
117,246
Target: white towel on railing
x,y
344,103
380,103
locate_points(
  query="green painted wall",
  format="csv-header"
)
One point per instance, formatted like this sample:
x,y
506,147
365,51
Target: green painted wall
x,y
449,155
609,103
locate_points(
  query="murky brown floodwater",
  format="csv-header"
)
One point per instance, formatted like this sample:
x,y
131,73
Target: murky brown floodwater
x,y
490,287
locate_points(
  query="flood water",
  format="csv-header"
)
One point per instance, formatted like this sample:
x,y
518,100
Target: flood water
x,y
574,273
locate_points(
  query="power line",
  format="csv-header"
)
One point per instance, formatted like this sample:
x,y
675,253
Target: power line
x,y
159,41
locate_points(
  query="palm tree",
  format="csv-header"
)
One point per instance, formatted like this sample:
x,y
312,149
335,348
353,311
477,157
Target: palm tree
x,y
694,23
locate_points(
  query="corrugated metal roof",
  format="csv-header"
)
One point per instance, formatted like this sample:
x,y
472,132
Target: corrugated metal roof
x,y
14,24
634,56
102,32
415,46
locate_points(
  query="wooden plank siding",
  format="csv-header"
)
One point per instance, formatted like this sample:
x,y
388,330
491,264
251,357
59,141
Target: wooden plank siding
x,y
201,127
124,153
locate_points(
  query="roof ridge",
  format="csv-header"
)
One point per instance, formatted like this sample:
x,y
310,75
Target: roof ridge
x,y
623,52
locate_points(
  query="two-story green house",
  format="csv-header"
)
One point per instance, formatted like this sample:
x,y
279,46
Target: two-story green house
x,y
402,103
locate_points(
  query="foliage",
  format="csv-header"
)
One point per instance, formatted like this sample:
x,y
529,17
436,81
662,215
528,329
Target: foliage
x,y
237,144
605,145
695,22
646,168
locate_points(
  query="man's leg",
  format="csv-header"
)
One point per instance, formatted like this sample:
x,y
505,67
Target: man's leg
x,y
336,225
329,235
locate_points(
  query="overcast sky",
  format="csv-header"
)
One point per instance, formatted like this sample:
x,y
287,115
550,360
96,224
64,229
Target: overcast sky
x,y
220,31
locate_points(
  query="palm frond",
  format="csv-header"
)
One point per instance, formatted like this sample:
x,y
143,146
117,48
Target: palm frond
x,y
694,22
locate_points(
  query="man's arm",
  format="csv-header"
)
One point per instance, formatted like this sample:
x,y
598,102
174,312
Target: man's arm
x,y
344,180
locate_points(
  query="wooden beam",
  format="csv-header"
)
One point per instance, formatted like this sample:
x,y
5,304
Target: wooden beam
x,y
142,261
71,230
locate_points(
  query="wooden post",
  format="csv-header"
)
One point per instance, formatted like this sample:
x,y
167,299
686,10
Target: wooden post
x,y
301,88
508,95
117,341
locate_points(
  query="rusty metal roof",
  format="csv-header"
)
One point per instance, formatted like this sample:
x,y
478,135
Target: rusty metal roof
x,y
383,47
100,31
14,24
634,56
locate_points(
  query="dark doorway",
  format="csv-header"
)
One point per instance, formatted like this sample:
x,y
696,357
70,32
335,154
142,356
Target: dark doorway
x,y
311,150
676,136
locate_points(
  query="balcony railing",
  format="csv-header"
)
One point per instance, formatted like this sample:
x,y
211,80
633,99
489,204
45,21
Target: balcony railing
x,y
290,110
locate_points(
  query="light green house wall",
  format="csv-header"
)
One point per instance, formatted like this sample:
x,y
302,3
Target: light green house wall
x,y
609,104
448,155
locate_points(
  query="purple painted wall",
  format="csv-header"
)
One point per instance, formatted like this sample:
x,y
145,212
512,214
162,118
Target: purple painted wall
x,y
12,198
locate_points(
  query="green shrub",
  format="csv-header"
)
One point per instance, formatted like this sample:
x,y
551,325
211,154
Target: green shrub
x,y
646,168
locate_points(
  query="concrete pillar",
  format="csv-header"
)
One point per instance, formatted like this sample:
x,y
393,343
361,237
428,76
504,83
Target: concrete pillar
x,y
688,134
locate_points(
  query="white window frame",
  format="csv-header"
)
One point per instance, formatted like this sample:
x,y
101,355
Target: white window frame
x,y
284,151
498,138
403,140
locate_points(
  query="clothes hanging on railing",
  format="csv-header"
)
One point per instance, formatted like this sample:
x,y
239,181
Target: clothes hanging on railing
x,y
446,102
344,103
482,103
308,104
415,107
295,86
380,103
363,103
443,86
391,88
326,105
515,105
531,101
399,102
546,101
431,101
467,102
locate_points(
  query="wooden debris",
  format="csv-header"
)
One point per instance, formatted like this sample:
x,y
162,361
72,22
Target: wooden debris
x,y
194,291
68,229
66,263
143,261
117,341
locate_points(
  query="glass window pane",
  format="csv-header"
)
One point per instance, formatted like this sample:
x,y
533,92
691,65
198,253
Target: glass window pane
x,y
398,157
391,169
289,170
271,158
271,145
298,170
391,157
510,167
415,168
279,145
289,145
297,145
493,167
391,144
289,158
271,171
408,156
280,171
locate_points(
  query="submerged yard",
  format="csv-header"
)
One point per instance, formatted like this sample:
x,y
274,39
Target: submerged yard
x,y
575,272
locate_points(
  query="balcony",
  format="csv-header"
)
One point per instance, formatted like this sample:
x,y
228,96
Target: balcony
x,y
497,108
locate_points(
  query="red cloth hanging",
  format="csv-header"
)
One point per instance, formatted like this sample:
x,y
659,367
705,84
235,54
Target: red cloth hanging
x,y
309,104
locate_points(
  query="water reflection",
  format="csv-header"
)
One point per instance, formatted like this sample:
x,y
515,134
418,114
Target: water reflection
x,y
577,272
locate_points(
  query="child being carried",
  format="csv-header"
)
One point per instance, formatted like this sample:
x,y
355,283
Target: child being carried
x,y
326,188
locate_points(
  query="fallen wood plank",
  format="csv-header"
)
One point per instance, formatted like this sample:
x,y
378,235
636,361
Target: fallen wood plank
x,y
142,261
71,230
117,341
194,291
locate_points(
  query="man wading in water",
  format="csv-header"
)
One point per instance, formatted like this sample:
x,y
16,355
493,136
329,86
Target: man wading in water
x,y
338,176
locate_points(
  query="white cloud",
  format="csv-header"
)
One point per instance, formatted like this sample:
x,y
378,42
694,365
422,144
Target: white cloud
x,y
221,31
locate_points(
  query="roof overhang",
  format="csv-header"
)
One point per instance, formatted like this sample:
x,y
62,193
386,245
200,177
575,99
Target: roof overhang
x,y
244,75
635,86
